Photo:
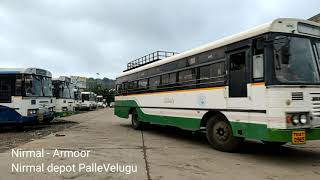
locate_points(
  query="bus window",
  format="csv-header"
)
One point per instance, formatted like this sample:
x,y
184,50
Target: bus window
x,y
119,88
5,90
187,76
154,82
143,84
168,79
172,78
165,79
205,57
258,59
132,85
212,73
237,76
18,85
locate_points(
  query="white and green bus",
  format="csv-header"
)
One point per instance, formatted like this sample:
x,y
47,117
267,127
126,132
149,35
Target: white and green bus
x,y
63,91
261,84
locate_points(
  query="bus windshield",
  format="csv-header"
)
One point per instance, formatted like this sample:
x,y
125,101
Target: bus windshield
x,y
47,86
85,97
38,86
294,60
71,91
33,85
318,49
63,90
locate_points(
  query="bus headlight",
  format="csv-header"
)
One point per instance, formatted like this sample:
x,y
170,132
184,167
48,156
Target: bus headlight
x,y
303,119
32,111
295,119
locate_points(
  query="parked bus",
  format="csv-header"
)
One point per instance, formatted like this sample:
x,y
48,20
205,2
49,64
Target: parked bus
x,y
25,96
63,90
260,84
77,98
88,101
100,101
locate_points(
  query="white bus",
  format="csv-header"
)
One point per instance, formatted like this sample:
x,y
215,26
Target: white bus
x,y
77,98
260,84
63,90
100,101
25,96
88,101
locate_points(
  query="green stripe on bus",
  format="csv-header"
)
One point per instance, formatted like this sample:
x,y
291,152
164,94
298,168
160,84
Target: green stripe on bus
x,y
181,122
240,129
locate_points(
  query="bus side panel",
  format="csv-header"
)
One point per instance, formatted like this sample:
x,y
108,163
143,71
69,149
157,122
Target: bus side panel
x,y
122,108
180,122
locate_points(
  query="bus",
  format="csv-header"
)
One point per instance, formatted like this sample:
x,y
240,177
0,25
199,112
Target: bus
x,y
25,96
63,91
77,98
88,101
261,84
100,101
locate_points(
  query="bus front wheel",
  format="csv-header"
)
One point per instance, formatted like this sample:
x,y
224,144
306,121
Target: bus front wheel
x,y
220,136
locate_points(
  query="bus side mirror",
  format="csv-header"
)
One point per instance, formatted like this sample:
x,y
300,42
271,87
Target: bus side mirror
x,y
258,66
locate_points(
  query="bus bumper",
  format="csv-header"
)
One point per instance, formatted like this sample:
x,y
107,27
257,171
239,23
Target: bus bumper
x,y
48,116
32,119
262,132
285,135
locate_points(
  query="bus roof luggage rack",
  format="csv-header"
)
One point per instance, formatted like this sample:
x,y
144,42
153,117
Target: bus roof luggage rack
x,y
152,57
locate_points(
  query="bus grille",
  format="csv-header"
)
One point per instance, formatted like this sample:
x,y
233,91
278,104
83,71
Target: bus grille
x,y
296,96
315,102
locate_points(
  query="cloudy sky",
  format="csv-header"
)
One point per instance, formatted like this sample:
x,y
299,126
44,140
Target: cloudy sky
x,y
83,37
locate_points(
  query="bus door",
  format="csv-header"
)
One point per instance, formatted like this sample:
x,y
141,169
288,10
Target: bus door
x,y
237,94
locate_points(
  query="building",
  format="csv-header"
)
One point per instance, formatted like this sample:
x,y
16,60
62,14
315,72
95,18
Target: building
x,y
315,18
79,82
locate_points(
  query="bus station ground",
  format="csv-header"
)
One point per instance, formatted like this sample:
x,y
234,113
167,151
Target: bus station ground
x,y
158,152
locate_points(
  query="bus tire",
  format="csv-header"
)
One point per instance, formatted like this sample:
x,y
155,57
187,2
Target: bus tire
x,y
220,136
135,123
270,143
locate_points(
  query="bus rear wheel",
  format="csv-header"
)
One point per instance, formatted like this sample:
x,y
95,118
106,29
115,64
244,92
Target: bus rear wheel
x,y
220,136
135,123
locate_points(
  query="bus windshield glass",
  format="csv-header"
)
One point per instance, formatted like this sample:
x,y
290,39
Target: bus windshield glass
x,y
85,97
33,85
294,60
47,86
65,91
318,49
71,91
38,86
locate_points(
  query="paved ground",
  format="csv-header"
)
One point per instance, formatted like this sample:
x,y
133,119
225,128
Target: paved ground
x,y
160,153
11,137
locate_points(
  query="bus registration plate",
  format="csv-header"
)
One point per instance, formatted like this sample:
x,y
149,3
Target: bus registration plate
x,y
298,137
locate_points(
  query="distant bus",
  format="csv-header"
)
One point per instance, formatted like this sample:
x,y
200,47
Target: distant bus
x,y
63,91
88,101
100,101
25,96
260,84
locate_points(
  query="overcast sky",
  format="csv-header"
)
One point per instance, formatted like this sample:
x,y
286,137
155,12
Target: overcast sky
x,y
83,37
